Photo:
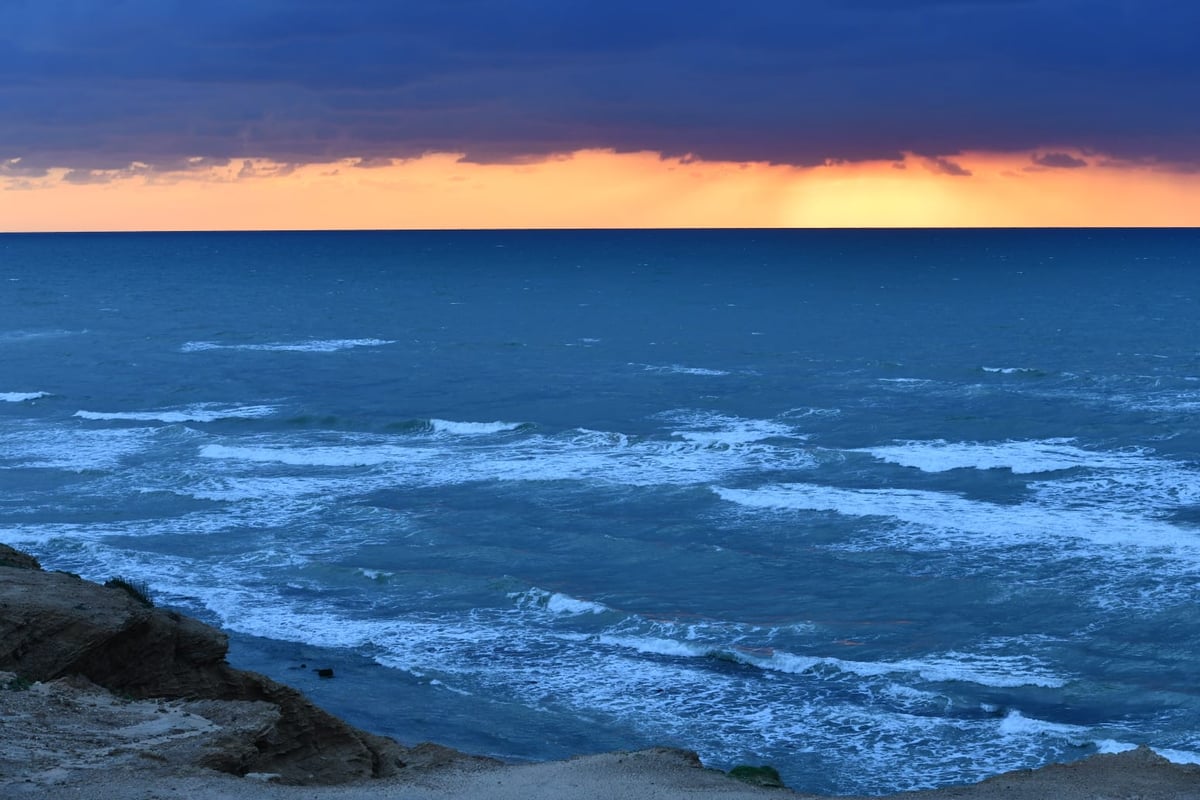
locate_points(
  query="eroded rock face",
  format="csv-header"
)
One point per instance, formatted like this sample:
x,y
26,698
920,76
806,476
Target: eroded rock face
x,y
15,558
54,625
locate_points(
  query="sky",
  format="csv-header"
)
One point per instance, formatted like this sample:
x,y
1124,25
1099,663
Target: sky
x,y
281,114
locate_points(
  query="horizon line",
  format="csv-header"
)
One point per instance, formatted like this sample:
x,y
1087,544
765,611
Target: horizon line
x,y
601,229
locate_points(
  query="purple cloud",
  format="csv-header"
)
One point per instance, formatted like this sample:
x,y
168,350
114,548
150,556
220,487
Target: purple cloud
x,y
99,86
1059,161
945,166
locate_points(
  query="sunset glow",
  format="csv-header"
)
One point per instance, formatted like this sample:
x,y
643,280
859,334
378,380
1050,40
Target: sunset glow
x,y
600,188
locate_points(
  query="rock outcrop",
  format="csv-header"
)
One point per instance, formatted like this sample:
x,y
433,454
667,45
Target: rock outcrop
x,y
54,624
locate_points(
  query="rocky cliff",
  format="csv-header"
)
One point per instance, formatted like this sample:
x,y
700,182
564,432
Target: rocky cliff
x,y
54,625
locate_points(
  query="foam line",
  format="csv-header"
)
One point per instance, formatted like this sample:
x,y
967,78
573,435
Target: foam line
x,y
578,455
200,412
330,456
1011,370
993,524
991,671
679,369
1022,457
308,346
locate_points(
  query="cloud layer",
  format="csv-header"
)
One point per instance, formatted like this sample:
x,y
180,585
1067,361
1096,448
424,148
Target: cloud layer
x,y
94,86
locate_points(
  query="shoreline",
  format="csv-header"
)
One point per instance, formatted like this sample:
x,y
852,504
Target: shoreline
x,y
102,696
69,738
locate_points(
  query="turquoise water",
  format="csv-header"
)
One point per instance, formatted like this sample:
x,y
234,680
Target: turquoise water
x,y
884,509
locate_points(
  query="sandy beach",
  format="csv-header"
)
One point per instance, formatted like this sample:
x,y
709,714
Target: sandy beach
x,y
104,697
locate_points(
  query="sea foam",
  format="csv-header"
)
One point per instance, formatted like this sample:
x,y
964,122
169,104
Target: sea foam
x,y
986,524
21,397
328,456
1021,457
73,450
651,685
708,428
602,457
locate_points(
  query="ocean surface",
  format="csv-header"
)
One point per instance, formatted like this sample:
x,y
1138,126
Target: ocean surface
x,y
884,509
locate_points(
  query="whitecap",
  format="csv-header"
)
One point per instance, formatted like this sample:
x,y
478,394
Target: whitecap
x,y
679,369
993,671
199,412
375,574
472,428
1134,482
710,428
21,397
447,687
1166,402
809,411
601,457
490,653
308,346
655,646
28,336
985,524
739,435
1010,370
74,450
1022,457
1017,724
329,456
1178,756
557,602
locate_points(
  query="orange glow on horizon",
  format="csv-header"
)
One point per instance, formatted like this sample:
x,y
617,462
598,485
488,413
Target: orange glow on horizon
x,y
602,189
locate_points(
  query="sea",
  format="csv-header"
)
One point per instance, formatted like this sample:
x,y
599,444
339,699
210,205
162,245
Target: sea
x,y
884,509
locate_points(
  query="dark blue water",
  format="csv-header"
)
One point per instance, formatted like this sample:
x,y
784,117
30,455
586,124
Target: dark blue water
x,y
884,509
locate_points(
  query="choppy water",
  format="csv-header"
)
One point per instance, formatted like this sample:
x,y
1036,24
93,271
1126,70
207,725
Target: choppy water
x,y
884,509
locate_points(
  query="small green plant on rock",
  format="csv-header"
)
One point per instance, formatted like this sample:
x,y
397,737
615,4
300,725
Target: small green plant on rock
x,y
17,684
138,590
766,776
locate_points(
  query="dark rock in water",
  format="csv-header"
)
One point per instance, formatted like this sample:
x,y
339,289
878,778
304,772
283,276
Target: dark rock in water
x,y
757,776
54,625
324,672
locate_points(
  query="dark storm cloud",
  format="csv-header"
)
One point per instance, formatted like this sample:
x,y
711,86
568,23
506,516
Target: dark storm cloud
x,y
373,163
15,168
947,167
251,170
1059,161
85,176
96,86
